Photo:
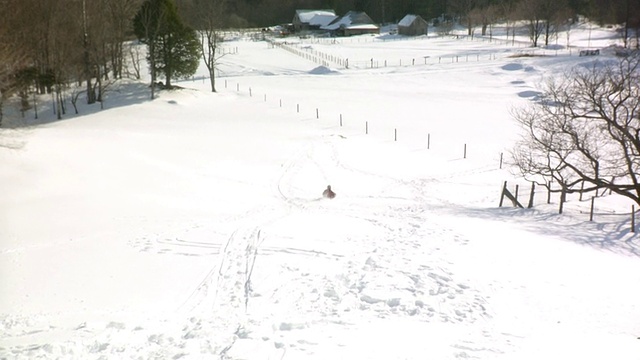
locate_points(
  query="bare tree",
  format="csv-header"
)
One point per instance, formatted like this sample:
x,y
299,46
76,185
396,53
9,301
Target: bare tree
x,y
462,8
474,18
631,31
121,13
533,12
507,9
483,14
553,12
12,55
585,129
88,73
135,58
564,20
149,20
489,17
210,18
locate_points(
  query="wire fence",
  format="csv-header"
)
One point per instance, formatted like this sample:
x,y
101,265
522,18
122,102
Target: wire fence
x,y
303,48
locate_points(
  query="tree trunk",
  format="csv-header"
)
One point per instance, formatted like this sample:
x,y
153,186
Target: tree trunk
x,y
547,31
91,95
212,79
152,63
168,74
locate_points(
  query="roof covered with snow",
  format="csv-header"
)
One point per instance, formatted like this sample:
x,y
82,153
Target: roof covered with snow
x,y
306,16
407,20
322,19
352,20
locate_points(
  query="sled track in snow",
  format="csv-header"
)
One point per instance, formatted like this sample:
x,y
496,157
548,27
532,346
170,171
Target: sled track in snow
x,y
285,185
229,282
222,297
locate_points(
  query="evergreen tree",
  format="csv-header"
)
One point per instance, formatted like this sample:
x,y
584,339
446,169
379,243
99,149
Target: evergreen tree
x,y
173,46
177,53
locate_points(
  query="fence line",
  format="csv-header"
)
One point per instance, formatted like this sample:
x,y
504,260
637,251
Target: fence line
x,y
315,56
304,50
325,59
562,199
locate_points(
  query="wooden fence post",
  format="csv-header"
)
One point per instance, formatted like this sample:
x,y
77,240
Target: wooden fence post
x,y
366,127
531,195
613,178
428,141
514,199
340,119
500,160
633,218
395,134
504,188
465,151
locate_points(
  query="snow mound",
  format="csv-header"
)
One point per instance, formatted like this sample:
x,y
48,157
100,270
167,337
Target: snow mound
x,y
529,94
322,70
512,67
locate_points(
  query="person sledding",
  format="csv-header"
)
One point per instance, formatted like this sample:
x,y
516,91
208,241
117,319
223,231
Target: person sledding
x,y
328,193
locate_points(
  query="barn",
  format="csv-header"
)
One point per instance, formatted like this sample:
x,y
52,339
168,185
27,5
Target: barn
x,y
352,23
309,20
412,25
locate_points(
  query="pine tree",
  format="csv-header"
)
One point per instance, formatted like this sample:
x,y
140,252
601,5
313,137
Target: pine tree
x,y
174,49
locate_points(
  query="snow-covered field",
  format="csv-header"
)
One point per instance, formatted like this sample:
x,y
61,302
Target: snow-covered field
x,y
193,226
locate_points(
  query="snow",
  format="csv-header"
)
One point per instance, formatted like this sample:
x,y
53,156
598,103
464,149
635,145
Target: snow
x,y
193,226
306,16
322,19
322,70
351,20
407,20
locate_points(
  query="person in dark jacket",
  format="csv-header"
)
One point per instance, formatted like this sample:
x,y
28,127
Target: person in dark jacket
x,y
328,193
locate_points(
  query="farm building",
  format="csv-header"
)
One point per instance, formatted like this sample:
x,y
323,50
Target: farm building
x,y
352,23
413,25
309,20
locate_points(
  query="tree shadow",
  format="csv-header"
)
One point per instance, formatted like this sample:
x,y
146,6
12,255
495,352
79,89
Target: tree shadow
x,y
610,232
120,94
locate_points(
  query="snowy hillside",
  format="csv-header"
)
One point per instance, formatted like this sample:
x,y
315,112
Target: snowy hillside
x,y
193,226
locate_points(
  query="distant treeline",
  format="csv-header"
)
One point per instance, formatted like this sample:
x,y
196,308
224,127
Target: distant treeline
x,y
271,12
